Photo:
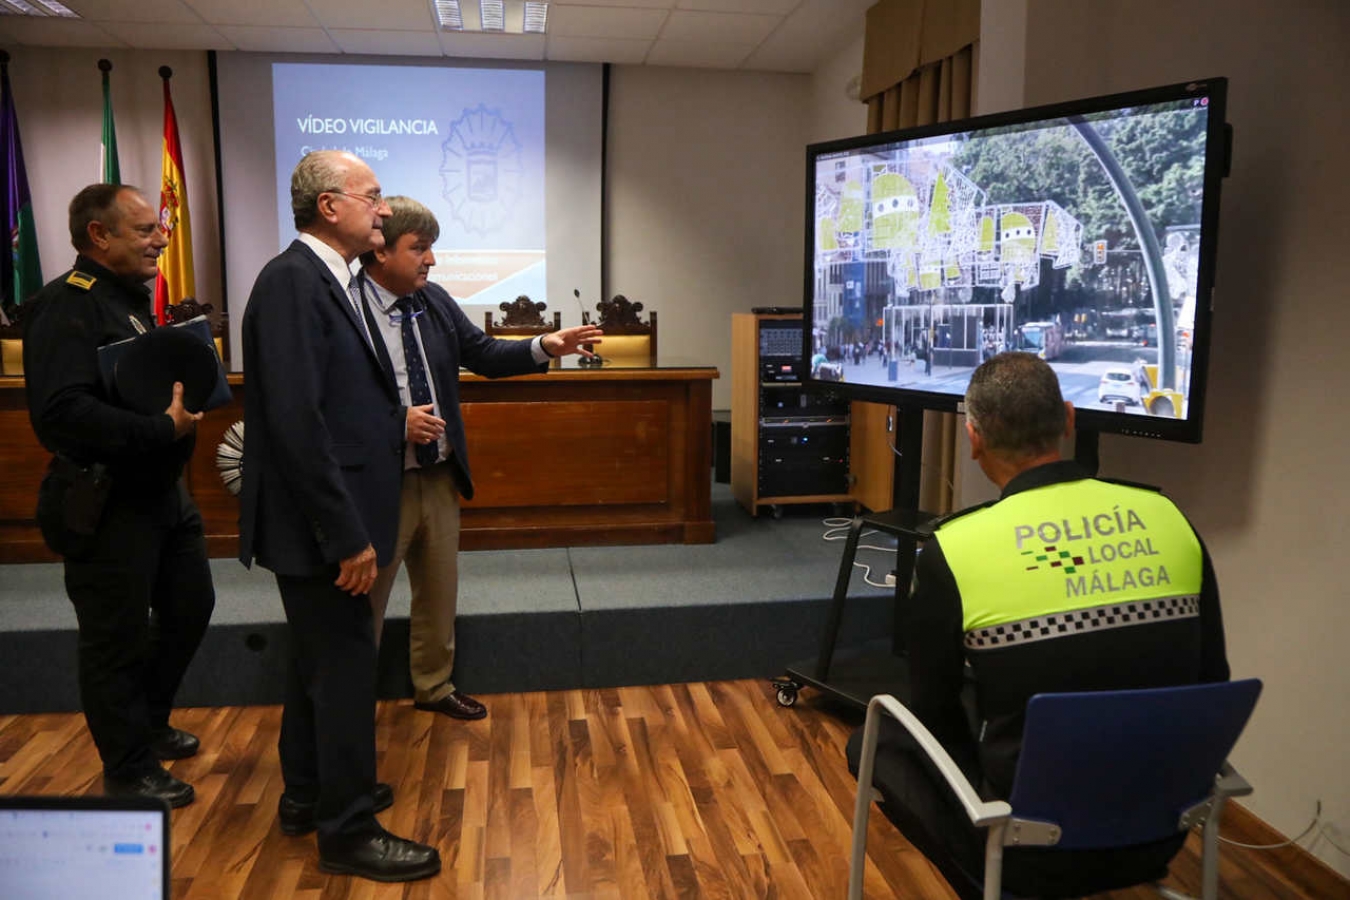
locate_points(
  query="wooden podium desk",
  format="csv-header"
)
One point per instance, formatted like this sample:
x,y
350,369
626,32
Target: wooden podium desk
x,y
619,454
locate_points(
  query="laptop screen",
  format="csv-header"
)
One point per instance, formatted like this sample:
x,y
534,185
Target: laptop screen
x,y
63,847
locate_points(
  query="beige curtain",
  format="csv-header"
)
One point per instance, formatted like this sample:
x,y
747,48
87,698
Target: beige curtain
x,y
920,60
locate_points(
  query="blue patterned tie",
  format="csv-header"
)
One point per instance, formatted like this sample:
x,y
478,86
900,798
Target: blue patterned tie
x,y
417,372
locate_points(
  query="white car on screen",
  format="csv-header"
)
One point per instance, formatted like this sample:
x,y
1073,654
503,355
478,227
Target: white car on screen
x,y
1118,385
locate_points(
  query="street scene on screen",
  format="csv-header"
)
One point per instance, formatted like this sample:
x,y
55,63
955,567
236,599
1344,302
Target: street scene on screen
x,y
1077,240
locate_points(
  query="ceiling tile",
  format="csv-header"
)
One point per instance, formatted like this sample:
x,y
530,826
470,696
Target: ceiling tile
x,y
593,21
771,7
723,28
493,46
53,32
169,37
811,35
610,50
255,13
697,54
386,15
260,39
387,43
134,11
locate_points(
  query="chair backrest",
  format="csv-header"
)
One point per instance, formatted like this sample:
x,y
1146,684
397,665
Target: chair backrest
x,y
521,318
1114,768
627,338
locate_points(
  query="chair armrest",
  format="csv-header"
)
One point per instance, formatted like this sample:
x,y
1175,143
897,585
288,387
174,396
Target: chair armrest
x,y
994,815
981,812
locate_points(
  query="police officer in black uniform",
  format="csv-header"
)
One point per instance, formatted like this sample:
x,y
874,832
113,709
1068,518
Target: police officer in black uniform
x,y
113,502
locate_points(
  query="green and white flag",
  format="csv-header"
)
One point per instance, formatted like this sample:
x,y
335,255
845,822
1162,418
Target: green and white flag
x,y
110,172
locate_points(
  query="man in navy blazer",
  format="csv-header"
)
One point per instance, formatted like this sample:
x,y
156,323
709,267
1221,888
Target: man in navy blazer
x,y
323,461
428,338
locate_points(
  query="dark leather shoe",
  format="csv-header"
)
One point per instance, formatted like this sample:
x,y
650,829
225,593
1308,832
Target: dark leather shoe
x,y
156,783
173,743
298,818
456,704
379,856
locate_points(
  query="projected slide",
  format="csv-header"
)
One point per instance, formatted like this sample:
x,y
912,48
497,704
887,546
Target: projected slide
x,y
468,143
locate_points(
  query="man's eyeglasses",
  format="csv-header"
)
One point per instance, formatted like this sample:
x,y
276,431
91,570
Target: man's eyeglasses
x,y
374,198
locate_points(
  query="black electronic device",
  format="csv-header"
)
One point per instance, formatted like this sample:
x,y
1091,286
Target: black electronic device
x,y
780,345
803,457
1084,232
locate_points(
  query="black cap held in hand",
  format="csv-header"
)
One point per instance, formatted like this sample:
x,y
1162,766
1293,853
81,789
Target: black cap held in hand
x,y
147,370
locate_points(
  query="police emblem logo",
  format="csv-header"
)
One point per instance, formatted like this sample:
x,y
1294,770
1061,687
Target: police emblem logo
x,y
482,170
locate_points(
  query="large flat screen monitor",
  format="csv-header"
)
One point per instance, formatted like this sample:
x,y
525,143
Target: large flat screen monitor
x,y
1083,232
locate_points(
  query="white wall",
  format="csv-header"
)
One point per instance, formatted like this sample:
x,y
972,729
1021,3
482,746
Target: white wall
x,y
59,97
834,113
705,208
1267,488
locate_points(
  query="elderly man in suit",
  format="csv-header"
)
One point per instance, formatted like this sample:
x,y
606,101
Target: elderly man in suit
x,y
323,461
428,338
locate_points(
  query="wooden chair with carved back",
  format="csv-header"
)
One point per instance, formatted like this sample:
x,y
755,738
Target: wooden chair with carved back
x,y
627,338
522,320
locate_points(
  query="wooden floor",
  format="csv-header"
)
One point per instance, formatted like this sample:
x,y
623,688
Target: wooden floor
x,y
699,790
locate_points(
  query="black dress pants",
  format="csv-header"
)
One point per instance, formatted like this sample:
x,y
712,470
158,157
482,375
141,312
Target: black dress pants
x,y
327,743
143,597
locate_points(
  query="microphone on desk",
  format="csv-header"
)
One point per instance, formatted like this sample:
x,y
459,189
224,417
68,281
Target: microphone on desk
x,y
595,359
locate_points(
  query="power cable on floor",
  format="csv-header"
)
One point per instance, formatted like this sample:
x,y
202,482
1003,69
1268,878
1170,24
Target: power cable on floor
x,y
1317,817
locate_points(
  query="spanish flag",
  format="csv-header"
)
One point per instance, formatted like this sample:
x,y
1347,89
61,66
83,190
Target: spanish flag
x,y
174,283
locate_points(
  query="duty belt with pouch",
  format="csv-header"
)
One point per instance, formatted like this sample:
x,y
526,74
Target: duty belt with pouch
x,y
86,494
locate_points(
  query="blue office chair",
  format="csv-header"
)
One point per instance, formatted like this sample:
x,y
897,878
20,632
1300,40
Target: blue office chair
x,y
1099,770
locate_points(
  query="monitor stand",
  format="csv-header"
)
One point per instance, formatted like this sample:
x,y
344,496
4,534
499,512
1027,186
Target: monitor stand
x,y
854,679
1085,447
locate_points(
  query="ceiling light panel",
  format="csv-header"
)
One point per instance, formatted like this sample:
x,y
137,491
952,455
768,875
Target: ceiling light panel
x,y
492,13
449,15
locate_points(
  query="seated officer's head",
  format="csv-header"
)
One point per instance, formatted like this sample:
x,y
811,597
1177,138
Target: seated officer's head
x,y
1015,415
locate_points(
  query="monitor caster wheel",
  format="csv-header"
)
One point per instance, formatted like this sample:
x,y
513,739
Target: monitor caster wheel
x,y
787,692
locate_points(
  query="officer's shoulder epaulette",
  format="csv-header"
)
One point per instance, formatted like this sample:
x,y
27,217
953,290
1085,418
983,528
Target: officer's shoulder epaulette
x,y
80,280
1134,484
960,513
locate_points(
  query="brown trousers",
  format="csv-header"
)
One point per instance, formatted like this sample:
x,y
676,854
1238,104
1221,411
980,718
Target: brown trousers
x,y
428,541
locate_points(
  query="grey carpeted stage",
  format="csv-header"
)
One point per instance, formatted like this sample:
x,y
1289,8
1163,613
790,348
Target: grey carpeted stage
x,y
745,606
